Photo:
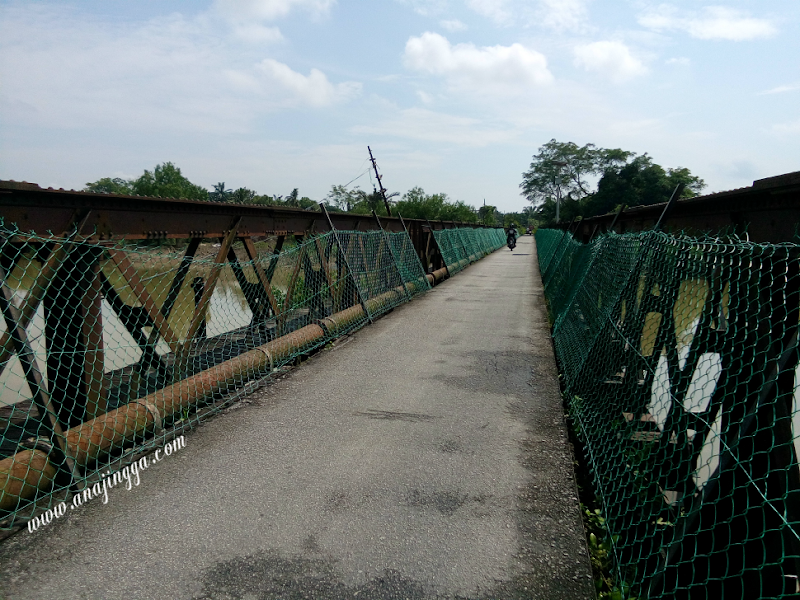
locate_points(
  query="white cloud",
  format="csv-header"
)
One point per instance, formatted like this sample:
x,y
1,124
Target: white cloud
x,y
453,25
678,60
255,33
247,18
426,125
314,89
563,15
791,127
62,71
558,15
711,23
426,8
781,89
610,59
497,10
465,64
424,97
269,10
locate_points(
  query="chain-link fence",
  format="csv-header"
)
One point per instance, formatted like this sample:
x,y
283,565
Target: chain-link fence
x,y
110,349
679,362
460,247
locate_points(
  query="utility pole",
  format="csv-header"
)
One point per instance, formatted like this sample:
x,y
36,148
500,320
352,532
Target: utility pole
x,y
380,183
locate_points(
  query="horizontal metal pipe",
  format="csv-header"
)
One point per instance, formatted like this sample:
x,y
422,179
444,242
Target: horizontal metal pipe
x,y
439,274
27,471
342,320
377,303
22,474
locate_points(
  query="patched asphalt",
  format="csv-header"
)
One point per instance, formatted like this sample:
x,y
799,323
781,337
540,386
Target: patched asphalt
x,y
425,456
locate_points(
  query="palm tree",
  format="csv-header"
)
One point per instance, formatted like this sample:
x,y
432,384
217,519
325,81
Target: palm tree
x,y
220,194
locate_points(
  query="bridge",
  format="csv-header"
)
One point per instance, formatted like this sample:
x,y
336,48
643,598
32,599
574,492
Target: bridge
x,y
388,417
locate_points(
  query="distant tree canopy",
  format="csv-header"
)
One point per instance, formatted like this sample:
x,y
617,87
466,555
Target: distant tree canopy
x,y
167,181
416,204
107,185
561,171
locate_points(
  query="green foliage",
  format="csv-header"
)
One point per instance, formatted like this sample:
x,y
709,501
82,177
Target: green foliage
x,y
488,214
356,200
243,196
560,172
106,185
279,295
220,194
601,555
370,202
293,200
416,204
343,198
637,183
167,181
524,219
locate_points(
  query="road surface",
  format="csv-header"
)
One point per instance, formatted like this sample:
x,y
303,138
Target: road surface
x,y
425,456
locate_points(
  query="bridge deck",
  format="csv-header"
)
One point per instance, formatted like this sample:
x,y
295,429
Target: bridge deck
x,y
425,456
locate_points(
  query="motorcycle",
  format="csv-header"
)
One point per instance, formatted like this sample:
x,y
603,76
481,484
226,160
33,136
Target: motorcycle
x,y
511,240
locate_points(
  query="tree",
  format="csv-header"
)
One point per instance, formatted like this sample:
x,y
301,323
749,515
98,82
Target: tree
x,y
242,196
369,202
346,200
293,199
488,214
106,185
167,181
637,183
560,170
416,204
220,194
559,175
457,211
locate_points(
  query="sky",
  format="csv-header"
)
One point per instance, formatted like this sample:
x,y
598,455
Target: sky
x,y
454,96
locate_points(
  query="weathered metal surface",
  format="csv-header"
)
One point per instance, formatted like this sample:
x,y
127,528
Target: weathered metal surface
x,y
767,211
439,275
22,474
115,217
341,321
25,472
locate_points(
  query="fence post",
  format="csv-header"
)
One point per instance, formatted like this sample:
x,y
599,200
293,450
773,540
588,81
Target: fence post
x,y
347,264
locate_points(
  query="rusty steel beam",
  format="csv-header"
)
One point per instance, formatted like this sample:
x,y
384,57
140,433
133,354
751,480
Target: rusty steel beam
x,y
115,217
767,211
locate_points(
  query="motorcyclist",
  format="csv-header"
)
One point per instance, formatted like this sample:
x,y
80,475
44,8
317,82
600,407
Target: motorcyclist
x,y
511,237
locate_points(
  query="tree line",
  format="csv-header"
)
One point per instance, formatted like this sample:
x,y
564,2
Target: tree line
x,y
167,181
561,174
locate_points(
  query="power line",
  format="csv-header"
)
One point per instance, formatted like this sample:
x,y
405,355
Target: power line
x,y
358,177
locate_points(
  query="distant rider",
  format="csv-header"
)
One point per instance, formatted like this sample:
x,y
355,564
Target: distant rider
x,y
511,237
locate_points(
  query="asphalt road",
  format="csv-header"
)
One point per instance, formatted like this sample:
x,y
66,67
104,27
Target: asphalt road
x,y
425,456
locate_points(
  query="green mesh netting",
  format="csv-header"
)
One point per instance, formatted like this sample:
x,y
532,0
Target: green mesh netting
x,y
108,349
460,247
679,362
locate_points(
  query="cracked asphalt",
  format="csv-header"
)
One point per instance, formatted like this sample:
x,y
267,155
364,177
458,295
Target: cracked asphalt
x,y
426,456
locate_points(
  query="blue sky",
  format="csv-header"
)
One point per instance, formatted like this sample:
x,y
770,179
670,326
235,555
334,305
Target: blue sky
x,y
454,96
